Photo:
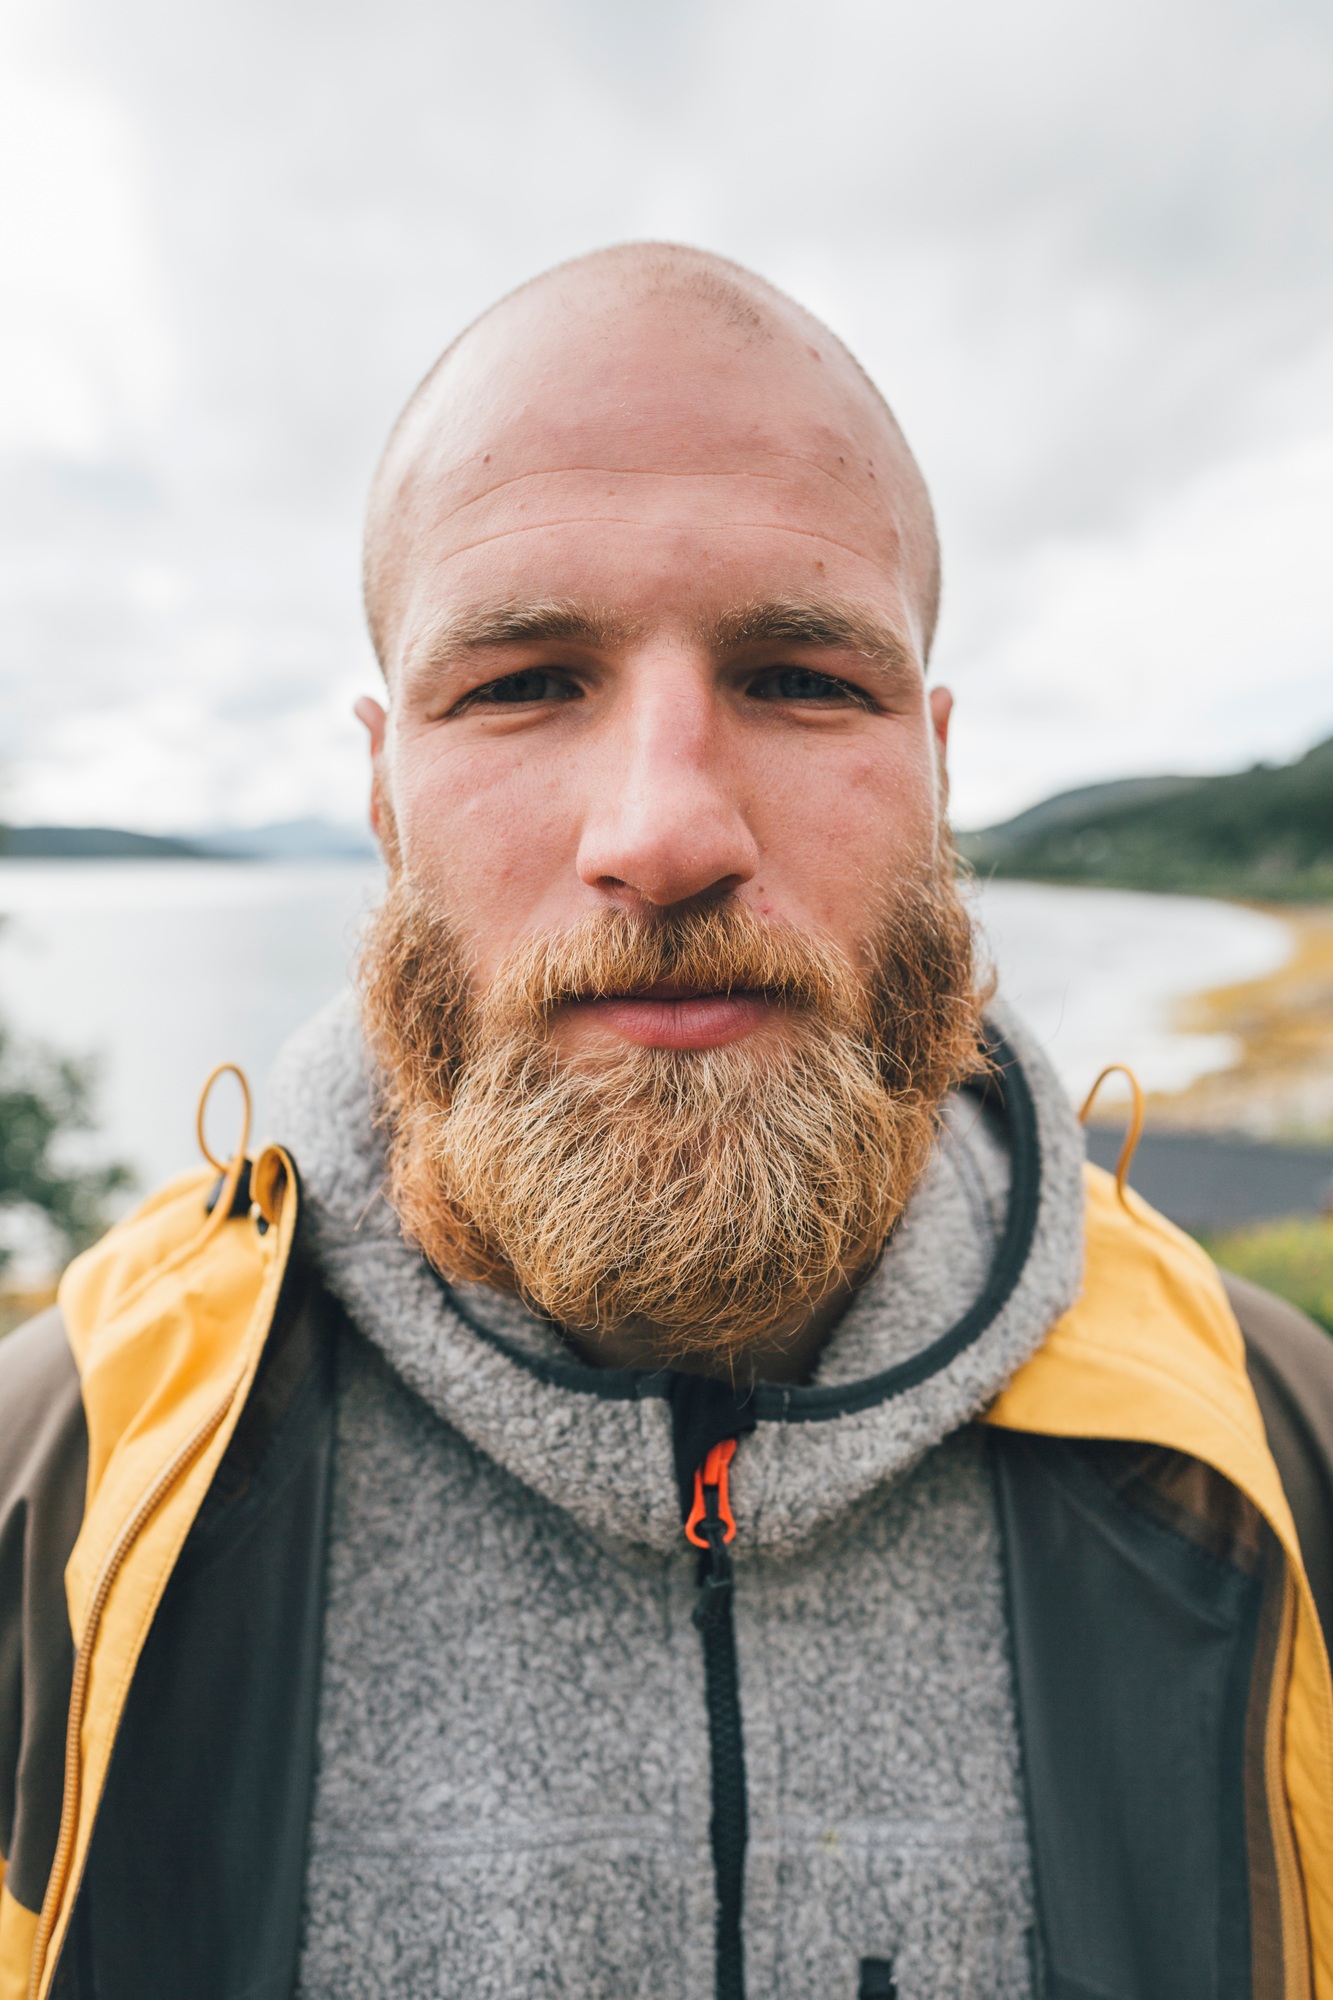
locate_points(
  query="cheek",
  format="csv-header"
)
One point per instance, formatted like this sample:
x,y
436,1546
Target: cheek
x,y
856,823
895,800
492,835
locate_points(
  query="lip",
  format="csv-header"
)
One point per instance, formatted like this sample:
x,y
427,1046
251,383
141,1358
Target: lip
x,y
667,1017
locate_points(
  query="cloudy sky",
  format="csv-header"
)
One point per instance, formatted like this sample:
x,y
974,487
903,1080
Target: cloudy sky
x,y
1087,250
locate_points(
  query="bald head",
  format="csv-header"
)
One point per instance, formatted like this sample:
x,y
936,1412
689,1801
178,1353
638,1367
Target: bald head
x,y
652,574
650,385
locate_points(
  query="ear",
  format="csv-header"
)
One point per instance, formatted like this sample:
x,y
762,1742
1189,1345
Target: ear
x,y
941,709
375,721
371,715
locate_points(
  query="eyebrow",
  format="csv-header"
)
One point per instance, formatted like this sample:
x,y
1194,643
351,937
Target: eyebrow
x,y
772,622
802,622
523,622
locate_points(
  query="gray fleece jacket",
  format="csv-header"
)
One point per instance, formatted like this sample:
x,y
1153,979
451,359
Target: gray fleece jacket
x,y
515,1771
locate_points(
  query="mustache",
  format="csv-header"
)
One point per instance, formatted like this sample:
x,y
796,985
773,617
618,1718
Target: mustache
x,y
724,948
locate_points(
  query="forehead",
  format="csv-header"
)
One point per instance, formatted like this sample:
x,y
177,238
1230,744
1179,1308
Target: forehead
x,y
561,434
642,385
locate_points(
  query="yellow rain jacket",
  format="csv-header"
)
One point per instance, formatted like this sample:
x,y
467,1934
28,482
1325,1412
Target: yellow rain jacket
x,y
1150,1545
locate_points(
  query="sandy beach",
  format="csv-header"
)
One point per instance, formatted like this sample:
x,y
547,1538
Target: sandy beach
x,y
1280,1085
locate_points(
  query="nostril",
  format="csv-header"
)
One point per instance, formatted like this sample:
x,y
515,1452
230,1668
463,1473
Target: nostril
x,y
877,1981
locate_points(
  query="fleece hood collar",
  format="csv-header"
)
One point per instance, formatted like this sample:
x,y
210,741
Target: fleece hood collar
x,y
986,1257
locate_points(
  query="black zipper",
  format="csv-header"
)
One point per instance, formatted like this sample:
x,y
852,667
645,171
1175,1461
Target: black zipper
x,y
728,1827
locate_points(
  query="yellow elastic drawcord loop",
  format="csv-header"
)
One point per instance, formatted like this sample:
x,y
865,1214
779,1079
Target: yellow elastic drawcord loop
x,y
1130,1147
231,1172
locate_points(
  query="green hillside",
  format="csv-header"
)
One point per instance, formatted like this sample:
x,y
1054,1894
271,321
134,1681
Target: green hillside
x,y
1265,833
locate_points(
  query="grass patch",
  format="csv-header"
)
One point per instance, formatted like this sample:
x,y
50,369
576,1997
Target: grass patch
x,y
1292,1258
20,1302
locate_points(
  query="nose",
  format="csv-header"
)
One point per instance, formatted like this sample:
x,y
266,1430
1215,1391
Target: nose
x,y
666,820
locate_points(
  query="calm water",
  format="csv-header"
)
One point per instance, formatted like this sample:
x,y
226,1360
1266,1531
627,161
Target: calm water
x,y
163,969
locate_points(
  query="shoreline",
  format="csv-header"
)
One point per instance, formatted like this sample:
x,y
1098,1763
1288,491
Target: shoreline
x,y
1280,1086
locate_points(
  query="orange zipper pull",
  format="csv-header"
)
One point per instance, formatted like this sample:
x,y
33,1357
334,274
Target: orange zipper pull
x,y
710,1527
710,1486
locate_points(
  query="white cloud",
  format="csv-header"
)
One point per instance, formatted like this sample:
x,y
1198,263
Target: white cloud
x,y
1201,635
86,353
1087,251
185,765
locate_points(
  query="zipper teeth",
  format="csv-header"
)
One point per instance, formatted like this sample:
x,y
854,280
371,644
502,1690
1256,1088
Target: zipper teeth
x,y
713,1615
728,1832
1291,1898
69,1804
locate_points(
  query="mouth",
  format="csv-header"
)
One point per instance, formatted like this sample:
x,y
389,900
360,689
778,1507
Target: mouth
x,y
671,1015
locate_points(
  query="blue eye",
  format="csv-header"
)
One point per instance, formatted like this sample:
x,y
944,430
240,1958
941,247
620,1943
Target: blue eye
x,y
803,684
531,685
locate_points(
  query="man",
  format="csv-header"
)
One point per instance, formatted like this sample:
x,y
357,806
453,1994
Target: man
x,y
663,1481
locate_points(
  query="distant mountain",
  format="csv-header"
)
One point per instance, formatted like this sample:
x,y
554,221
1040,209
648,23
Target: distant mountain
x,y
1265,833
285,840
90,843
290,840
